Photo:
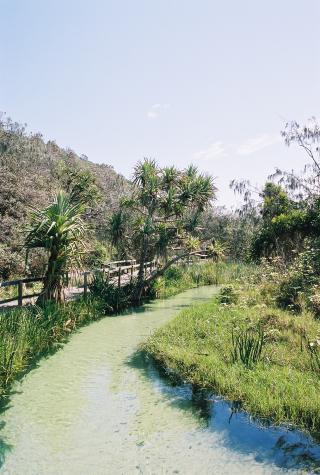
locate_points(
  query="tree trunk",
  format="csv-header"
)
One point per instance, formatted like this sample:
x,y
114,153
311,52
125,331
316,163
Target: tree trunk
x,y
52,283
141,277
160,272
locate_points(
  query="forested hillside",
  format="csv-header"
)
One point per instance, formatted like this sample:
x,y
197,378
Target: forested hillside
x,y
31,172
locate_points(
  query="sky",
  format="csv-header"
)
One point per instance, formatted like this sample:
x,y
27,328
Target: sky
x,y
182,81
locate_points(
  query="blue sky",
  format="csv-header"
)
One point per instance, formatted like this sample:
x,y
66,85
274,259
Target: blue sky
x,y
182,81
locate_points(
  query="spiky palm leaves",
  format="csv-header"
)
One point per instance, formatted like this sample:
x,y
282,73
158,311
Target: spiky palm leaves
x,y
117,231
165,205
60,230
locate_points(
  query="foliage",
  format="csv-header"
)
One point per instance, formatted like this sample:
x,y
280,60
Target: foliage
x,y
60,230
313,347
117,233
183,277
28,333
162,214
32,171
11,262
282,385
228,295
114,299
216,250
96,256
247,346
79,183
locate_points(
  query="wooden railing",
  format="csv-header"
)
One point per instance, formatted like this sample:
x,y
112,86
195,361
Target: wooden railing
x,y
113,270
20,284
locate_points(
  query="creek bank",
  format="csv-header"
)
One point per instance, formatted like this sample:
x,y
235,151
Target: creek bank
x,y
282,387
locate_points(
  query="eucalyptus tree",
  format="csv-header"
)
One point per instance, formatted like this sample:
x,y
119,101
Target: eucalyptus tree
x,y
60,230
163,214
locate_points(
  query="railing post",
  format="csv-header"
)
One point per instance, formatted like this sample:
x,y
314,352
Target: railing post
x,y
20,293
119,278
85,284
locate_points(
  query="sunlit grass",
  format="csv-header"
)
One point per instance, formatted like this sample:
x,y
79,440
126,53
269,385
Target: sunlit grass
x,y
184,277
282,384
29,332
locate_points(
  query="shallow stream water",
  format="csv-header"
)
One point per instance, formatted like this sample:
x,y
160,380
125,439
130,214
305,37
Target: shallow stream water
x,y
98,406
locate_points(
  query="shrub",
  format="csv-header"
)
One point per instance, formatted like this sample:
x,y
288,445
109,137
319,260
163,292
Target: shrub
x,y
114,299
289,293
228,295
98,256
173,273
11,263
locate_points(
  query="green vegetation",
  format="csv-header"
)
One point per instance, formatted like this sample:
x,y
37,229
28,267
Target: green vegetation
x,y
160,218
180,278
247,346
28,333
249,351
258,342
32,172
60,230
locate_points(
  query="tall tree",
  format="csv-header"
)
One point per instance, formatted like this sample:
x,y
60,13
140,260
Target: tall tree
x,y
163,214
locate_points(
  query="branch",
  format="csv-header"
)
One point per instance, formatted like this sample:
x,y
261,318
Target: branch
x,y
308,150
161,271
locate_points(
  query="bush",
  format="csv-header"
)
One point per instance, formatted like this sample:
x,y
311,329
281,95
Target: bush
x,y
228,295
114,299
173,273
98,256
289,294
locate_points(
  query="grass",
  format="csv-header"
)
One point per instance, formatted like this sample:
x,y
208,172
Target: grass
x,y
28,333
179,278
282,385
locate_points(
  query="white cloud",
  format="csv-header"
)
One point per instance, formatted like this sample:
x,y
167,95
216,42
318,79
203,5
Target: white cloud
x,y
256,144
156,109
219,149
215,150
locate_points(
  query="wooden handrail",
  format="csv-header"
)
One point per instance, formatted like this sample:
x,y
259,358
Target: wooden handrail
x,y
112,272
27,280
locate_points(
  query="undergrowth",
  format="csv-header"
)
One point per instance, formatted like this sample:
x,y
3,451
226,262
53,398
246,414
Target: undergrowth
x,y
31,332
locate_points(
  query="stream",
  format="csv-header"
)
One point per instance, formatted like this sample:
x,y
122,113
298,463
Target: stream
x,y
99,406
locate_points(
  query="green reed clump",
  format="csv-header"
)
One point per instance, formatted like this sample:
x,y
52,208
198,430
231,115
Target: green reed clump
x,y
247,346
28,333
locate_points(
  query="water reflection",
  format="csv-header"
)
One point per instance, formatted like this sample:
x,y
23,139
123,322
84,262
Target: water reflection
x,y
286,448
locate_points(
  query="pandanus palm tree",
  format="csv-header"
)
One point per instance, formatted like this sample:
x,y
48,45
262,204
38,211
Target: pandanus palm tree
x,y
60,230
164,199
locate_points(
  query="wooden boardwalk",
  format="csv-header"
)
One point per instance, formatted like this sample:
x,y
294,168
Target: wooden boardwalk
x,y
119,273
